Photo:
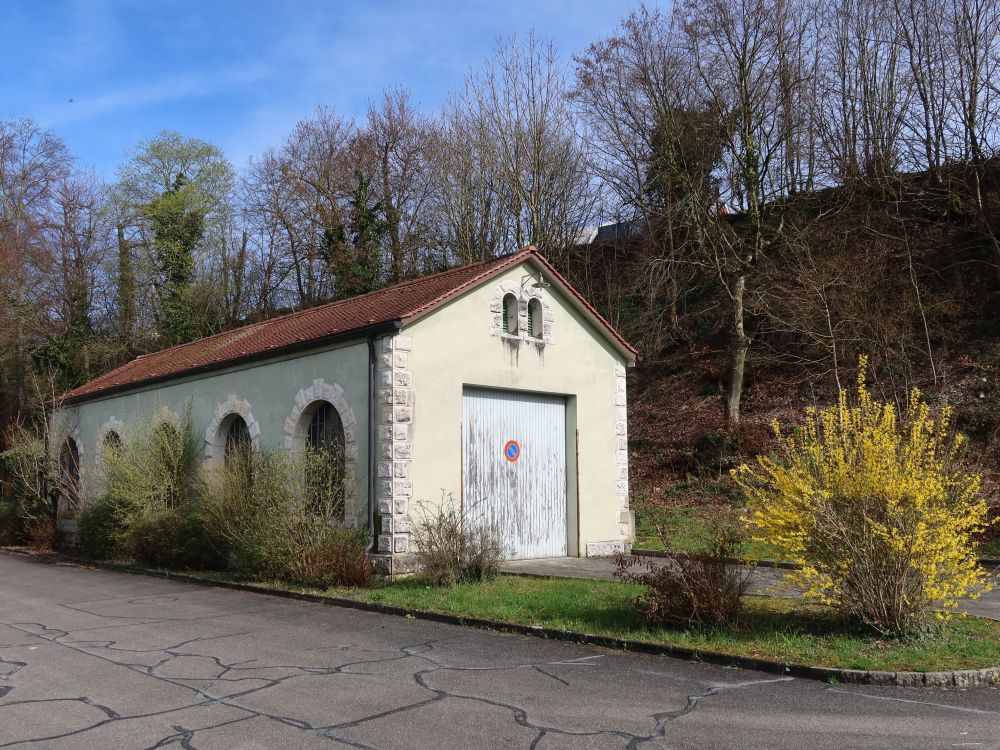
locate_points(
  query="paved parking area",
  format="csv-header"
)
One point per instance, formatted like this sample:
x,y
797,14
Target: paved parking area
x,y
97,659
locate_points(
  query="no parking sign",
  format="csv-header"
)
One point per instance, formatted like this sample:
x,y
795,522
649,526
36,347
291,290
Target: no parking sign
x,y
512,451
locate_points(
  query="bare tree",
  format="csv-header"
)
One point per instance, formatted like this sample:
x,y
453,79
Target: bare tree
x,y
511,169
653,142
863,97
735,46
33,163
298,196
397,145
923,33
975,100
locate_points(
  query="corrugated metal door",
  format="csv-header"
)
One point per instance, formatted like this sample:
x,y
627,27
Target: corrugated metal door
x,y
524,497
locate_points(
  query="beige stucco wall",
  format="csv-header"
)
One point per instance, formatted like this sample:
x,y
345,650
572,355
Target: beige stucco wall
x,y
460,345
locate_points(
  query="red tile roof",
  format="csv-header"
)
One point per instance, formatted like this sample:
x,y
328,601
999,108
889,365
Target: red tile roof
x,y
400,303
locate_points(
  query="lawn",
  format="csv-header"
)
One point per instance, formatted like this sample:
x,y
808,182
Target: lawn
x,y
784,630
688,532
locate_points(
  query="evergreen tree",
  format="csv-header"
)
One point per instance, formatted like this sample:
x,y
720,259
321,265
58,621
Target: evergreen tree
x,y
177,228
358,267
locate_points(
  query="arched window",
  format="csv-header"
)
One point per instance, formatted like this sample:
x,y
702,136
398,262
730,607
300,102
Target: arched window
x,y
69,462
326,431
169,450
535,318
510,314
325,461
238,441
166,439
112,444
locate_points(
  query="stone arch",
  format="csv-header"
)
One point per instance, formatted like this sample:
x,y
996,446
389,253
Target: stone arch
x,y
115,425
497,309
165,415
215,434
70,457
297,422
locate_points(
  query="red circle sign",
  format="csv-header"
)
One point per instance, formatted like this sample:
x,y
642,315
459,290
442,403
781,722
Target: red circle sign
x,y
512,451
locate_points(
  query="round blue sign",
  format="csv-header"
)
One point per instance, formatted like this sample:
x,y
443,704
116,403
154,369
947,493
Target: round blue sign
x,y
512,451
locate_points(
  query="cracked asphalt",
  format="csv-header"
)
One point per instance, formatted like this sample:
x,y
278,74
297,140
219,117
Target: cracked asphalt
x,y
97,659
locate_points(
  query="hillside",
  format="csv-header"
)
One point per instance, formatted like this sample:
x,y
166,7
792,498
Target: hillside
x,y
904,274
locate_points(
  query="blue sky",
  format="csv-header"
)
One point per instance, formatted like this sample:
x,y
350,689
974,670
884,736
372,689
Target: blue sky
x,y
240,74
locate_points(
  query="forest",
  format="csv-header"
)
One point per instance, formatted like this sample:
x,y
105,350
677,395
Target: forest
x,y
781,188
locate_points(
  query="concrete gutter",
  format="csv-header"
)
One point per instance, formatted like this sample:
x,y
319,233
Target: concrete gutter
x,y
987,677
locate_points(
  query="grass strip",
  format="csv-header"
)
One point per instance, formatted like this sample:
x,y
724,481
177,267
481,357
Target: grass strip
x,y
785,630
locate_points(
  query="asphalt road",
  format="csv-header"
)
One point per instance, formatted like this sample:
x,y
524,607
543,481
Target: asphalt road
x,y
95,659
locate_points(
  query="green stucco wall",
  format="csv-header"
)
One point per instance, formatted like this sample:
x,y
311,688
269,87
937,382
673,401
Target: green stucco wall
x,y
269,388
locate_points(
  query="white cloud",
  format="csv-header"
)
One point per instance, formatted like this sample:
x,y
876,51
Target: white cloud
x,y
187,85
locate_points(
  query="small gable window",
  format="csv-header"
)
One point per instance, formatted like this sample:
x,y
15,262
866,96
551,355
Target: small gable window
x,y
535,318
510,314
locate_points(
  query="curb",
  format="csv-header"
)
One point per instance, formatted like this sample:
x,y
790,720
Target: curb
x,y
986,562
986,677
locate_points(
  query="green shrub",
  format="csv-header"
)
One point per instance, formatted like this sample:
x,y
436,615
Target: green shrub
x,y
277,528
99,530
11,522
41,534
148,479
450,549
35,478
692,588
330,555
178,538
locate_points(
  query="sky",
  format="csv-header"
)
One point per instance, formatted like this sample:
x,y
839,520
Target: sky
x,y
106,74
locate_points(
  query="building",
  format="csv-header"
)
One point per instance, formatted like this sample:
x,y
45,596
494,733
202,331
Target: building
x,y
494,384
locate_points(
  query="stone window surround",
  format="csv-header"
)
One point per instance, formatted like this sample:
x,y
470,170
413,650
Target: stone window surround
x,y
115,425
166,415
62,511
215,435
297,423
523,295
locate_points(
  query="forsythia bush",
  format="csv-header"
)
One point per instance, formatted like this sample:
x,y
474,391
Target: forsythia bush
x,y
876,509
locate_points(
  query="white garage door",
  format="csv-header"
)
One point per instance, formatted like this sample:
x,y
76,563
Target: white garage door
x,y
514,468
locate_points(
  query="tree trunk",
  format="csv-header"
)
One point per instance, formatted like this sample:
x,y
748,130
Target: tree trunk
x,y
126,293
739,345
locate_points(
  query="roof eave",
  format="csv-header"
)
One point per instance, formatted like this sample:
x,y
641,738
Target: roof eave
x,y
356,333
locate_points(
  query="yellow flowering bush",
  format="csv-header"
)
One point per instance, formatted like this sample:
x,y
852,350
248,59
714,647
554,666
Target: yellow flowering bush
x,y
875,507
